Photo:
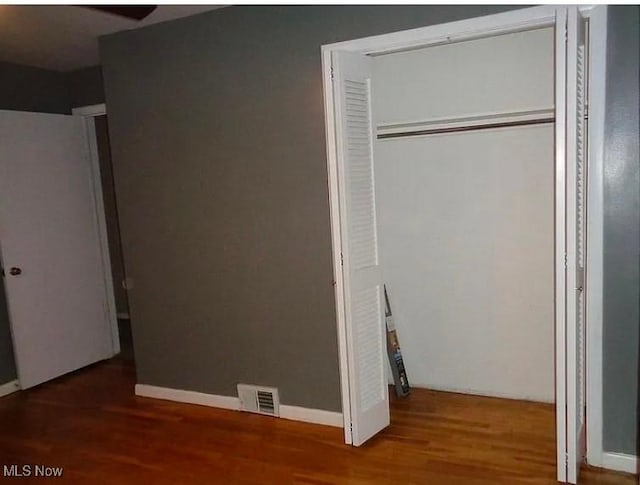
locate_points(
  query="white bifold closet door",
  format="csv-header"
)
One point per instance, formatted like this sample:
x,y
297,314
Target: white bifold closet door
x,y
49,235
576,168
366,338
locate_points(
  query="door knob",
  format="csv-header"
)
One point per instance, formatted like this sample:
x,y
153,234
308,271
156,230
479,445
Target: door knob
x,y
15,271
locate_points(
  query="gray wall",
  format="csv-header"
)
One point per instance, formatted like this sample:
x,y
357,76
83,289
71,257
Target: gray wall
x,y
85,86
219,156
26,88
621,233
217,131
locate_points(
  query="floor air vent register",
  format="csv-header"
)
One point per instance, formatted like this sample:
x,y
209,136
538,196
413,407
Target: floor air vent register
x,y
258,399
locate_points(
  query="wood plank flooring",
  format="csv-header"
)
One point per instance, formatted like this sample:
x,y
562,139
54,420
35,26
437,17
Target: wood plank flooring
x,y
91,424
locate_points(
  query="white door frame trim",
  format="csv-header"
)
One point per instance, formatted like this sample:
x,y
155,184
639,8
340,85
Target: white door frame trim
x,y
9,387
90,110
513,21
595,228
89,113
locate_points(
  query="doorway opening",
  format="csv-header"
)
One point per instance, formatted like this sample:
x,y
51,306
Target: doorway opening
x,y
97,120
118,273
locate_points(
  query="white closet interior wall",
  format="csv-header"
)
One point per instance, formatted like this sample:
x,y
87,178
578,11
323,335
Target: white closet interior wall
x,y
465,220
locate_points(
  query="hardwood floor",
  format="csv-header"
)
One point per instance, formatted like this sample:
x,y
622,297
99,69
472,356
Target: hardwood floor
x,y
91,424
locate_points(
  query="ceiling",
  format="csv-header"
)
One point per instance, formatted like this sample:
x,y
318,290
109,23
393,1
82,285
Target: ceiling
x,y
64,38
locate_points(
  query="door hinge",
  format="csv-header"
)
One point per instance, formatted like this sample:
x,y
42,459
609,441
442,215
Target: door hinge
x,y
565,260
341,259
331,72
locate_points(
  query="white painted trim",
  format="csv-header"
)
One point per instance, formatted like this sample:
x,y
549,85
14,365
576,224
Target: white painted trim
x,y
576,350
111,314
336,239
595,231
92,110
474,28
315,416
560,246
620,462
586,10
9,388
295,413
189,397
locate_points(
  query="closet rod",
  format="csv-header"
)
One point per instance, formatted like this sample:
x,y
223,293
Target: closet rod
x,y
460,129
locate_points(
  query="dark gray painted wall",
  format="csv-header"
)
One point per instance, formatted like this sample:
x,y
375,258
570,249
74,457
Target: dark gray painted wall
x,y
621,233
85,86
219,156
217,131
26,88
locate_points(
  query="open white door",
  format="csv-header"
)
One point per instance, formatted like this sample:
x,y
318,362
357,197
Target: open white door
x,y
50,246
364,314
576,168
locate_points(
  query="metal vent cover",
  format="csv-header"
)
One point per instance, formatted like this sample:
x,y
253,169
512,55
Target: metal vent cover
x,y
259,399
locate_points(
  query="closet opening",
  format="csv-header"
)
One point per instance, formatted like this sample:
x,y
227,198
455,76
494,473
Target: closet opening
x,y
463,168
457,174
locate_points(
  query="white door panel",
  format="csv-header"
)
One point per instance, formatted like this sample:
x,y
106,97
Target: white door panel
x,y
576,175
366,340
48,229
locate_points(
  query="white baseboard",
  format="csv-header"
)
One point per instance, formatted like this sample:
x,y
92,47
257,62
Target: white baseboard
x,y
189,397
295,413
9,388
483,393
620,462
316,416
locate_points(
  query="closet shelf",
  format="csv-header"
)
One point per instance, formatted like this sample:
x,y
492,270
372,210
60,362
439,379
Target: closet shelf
x,y
467,123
